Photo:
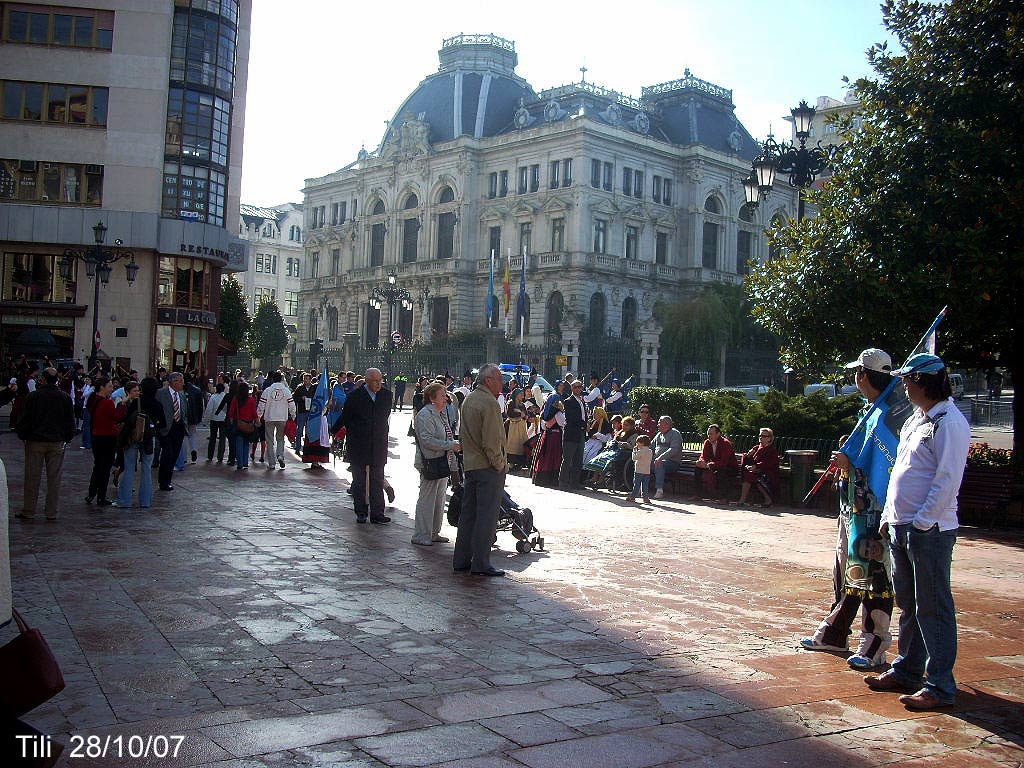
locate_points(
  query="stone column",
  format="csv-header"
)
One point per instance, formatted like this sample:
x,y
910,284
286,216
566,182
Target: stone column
x,y
494,337
570,347
650,343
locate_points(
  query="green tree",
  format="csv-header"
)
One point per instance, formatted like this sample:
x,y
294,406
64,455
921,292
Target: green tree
x,y
268,336
926,205
234,322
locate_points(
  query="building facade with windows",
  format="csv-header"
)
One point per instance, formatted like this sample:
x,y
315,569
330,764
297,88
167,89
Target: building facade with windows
x,y
614,202
275,258
131,114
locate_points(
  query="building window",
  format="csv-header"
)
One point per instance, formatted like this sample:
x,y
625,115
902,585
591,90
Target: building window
x,y
503,184
30,181
314,264
525,238
445,235
34,277
600,236
293,268
492,185
666,191
203,47
334,214
557,235
312,331
72,27
711,205
184,283
378,208
629,317
410,239
260,258
54,103
262,295
627,182
567,172
638,184
291,303
709,248
743,240
377,244
371,330
332,323
598,313
439,315
554,174
632,242
606,177
595,174
494,241
335,261
661,248
194,193
342,206
179,346
524,179
555,312
534,178
656,190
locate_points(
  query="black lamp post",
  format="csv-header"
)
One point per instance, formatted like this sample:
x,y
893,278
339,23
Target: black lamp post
x,y
391,295
801,164
97,267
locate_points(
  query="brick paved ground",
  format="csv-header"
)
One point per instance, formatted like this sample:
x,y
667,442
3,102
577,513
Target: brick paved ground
x,y
252,615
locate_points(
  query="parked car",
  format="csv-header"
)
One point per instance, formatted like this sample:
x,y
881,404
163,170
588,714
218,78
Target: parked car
x,y
750,391
828,389
521,374
956,383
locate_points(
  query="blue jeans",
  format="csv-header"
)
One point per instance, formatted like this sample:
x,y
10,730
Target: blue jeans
x,y
660,470
300,430
127,482
641,485
241,450
87,430
920,576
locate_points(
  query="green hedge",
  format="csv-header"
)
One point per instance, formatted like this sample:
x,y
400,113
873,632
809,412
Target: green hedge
x,y
692,410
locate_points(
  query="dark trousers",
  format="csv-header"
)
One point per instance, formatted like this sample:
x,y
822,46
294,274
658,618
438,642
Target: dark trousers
x,y
218,439
170,447
478,519
572,465
103,449
369,499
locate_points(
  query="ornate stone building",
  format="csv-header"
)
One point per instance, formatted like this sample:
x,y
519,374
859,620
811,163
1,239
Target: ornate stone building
x,y
614,202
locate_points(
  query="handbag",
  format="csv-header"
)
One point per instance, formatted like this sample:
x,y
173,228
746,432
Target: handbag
x,y
29,670
245,426
434,469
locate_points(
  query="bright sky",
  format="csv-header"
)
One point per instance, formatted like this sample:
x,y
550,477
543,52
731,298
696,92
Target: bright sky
x,y
324,75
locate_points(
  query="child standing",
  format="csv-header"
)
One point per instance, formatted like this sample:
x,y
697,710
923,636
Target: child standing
x,y
643,457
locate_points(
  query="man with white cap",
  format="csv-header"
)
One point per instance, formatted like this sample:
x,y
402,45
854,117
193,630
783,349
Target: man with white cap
x,y
872,374
920,519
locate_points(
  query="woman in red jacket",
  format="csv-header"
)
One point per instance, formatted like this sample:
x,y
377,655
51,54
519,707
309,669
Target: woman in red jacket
x,y
242,414
106,423
761,468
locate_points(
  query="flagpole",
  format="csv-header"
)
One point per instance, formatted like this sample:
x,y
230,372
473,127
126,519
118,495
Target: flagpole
x,y
490,293
508,258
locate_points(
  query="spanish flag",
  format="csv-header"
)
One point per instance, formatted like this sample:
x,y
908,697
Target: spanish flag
x,y
508,282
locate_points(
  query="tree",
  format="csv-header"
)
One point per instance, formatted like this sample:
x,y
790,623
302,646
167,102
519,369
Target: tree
x,y
268,336
925,207
234,322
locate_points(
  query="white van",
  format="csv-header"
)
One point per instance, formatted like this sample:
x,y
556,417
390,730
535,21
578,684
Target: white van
x,y
956,383
828,389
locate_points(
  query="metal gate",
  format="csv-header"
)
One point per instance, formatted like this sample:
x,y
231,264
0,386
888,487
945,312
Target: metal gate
x,y
601,354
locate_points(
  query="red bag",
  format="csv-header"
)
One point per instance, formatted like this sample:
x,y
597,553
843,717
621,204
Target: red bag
x,y
289,429
29,670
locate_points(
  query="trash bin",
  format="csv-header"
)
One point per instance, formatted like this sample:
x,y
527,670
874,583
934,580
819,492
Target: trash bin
x,y
801,465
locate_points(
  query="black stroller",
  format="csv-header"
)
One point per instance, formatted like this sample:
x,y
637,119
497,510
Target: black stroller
x,y
511,517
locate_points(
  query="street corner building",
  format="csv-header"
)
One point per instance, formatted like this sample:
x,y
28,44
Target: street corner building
x,y
129,114
614,203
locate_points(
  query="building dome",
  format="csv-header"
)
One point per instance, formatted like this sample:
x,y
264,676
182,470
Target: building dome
x,y
475,92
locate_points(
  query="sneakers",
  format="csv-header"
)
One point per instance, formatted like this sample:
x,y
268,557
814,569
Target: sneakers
x,y
659,494
866,662
280,462
813,644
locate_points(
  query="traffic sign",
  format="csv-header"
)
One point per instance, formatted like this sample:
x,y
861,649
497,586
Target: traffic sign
x,y
396,337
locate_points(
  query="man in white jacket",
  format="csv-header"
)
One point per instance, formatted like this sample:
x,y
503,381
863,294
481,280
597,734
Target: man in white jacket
x,y
275,408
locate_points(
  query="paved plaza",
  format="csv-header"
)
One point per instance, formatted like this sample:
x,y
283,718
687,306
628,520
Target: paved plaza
x,y
248,613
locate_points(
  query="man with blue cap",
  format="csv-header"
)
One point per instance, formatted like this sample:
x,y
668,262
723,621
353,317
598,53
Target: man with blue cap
x,y
920,521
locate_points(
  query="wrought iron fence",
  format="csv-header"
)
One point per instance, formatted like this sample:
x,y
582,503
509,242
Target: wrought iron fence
x,y
601,353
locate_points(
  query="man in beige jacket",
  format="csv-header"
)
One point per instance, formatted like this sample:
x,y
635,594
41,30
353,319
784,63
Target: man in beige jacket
x,y
482,435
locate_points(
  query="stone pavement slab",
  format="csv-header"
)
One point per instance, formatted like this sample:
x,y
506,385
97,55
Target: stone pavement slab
x,y
249,613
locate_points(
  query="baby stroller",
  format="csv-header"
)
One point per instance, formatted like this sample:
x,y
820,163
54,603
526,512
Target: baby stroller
x,y
605,469
511,517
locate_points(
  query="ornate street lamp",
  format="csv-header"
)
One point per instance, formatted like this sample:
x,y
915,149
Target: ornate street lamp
x,y
391,295
800,164
97,265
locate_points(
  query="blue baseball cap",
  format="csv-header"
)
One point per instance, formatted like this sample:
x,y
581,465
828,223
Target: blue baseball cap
x,y
921,363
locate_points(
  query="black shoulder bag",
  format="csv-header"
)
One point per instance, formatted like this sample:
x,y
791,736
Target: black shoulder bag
x,y
433,469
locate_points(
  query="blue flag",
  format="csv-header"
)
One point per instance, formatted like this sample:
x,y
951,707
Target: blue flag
x,y
317,446
872,445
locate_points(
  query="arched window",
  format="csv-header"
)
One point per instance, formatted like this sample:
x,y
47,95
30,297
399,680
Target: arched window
x,y
410,239
709,246
332,323
411,202
711,205
629,312
598,313
747,212
446,235
312,325
378,208
377,244
446,195
556,309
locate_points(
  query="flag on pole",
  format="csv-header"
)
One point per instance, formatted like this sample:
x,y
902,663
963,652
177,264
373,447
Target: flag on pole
x,y
508,282
521,308
316,449
491,300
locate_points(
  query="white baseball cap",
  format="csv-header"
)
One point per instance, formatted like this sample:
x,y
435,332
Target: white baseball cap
x,y
873,360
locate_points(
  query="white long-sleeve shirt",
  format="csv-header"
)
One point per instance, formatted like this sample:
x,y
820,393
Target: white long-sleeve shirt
x,y
929,467
210,414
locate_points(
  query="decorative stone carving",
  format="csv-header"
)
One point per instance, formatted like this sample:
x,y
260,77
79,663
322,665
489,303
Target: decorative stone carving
x,y
553,112
612,115
695,170
522,117
735,141
642,123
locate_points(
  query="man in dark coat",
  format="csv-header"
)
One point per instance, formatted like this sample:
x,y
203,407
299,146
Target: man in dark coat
x,y
366,415
47,423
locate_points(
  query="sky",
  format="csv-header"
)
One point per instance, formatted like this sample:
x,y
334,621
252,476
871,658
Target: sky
x,y
325,75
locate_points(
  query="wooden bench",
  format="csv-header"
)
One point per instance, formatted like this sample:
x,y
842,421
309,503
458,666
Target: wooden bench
x,y
986,491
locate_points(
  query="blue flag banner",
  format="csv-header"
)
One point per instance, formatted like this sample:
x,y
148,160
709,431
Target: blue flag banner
x,y
317,446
